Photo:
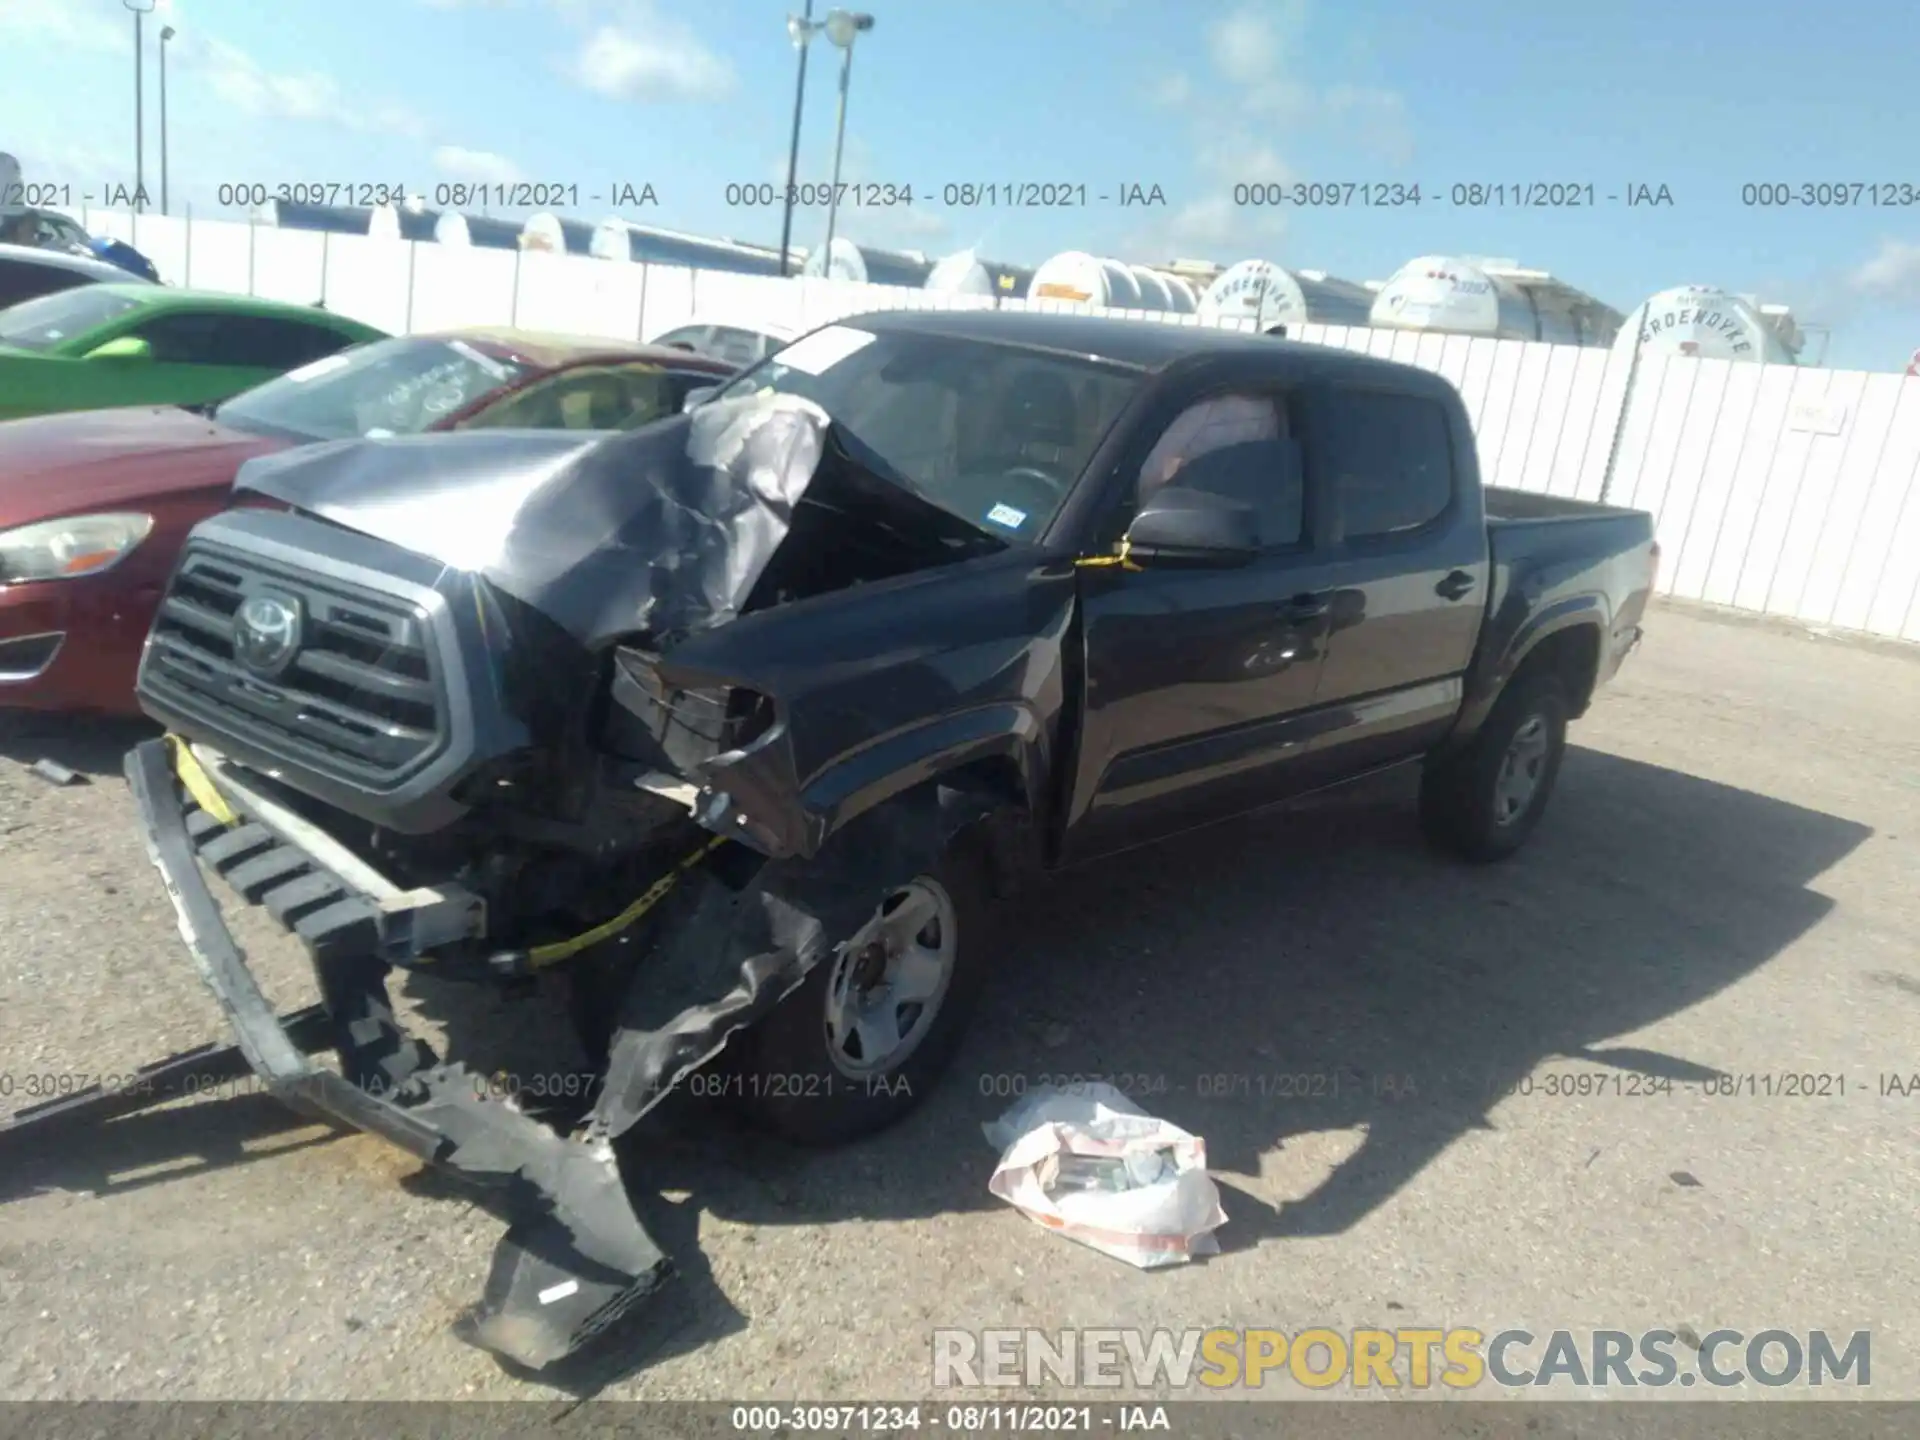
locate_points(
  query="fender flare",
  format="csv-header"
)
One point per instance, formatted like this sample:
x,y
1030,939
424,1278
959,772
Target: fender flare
x,y
1588,609
857,782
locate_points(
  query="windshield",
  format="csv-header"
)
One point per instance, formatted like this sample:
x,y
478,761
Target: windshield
x,y
391,387
993,433
54,319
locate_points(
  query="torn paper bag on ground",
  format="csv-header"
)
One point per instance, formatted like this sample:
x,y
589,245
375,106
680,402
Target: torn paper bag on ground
x,y
1089,1163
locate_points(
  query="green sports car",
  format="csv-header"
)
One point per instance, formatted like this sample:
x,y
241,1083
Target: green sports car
x,y
136,344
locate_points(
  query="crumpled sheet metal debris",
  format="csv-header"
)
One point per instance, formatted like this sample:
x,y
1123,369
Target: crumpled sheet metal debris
x,y
1089,1163
723,958
575,1257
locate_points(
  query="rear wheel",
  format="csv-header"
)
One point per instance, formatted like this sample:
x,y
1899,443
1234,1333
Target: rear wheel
x,y
870,1030
1483,802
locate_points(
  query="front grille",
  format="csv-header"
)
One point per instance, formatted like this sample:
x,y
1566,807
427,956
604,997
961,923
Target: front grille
x,y
360,699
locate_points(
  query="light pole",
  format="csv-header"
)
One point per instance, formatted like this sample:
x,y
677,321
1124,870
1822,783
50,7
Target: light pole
x,y
166,34
140,11
842,27
800,28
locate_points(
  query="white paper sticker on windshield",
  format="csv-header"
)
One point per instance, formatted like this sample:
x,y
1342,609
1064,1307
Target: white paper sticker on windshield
x,y
819,352
1006,515
317,369
486,362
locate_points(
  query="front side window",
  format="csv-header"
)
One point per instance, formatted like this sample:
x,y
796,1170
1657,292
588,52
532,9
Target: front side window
x,y
183,337
1237,446
53,320
996,434
390,387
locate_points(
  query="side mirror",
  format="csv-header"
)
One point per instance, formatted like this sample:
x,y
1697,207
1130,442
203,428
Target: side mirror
x,y
127,347
697,397
1178,526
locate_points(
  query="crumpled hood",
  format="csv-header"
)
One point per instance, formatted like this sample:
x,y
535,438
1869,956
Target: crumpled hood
x,y
663,529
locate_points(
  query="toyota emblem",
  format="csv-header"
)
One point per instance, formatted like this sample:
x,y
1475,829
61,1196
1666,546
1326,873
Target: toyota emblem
x,y
266,632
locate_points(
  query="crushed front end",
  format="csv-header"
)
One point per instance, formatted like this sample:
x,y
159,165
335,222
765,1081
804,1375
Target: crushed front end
x,y
419,746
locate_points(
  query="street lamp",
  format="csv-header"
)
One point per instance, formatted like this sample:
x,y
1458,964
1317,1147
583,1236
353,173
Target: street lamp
x,y
140,11
842,27
800,30
167,33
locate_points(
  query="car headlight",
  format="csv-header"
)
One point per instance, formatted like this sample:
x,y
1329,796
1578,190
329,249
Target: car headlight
x,y
63,549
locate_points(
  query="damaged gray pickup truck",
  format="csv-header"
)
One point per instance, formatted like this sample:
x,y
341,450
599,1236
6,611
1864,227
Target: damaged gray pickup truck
x,y
742,724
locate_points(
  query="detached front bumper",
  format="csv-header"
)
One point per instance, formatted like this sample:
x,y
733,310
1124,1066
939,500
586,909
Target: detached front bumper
x,y
575,1256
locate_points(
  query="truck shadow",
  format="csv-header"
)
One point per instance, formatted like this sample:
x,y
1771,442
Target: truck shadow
x,y
88,745
1298,974
1309,971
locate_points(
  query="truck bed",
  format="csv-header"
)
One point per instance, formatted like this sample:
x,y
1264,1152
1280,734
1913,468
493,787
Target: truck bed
x,y
1554,556
1510,505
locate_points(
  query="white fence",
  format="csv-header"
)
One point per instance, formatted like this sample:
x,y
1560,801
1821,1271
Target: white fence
x,y
1777,489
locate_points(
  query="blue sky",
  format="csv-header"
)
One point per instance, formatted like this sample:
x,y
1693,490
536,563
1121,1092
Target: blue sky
x,y
1193,97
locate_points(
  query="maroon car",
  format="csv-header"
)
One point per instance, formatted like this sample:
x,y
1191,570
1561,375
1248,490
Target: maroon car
x,y
94,504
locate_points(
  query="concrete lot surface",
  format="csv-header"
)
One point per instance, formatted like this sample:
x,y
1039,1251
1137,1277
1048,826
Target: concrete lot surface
x,y
1725,885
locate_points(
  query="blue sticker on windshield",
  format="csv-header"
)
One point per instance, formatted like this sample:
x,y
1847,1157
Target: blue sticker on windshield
x,y
1008,516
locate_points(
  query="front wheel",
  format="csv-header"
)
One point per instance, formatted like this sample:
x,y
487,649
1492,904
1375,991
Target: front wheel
x,y
876,1022
1483,802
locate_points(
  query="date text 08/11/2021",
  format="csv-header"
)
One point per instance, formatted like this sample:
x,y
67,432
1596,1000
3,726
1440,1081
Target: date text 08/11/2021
x,y
1470,195
460,195
953,194
963,1419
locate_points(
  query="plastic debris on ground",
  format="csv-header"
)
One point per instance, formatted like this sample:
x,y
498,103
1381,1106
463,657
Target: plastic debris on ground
x,y
55,773
1089,1163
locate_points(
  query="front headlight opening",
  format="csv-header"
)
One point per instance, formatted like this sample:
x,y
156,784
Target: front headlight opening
x,y
71,547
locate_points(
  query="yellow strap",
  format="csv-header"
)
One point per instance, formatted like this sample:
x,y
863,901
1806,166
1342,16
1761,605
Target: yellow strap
x,y
541,956
199,784
1122,557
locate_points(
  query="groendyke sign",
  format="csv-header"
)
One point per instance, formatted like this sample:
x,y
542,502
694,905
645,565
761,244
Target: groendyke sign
x,y
1705,320
1710,324
1258,291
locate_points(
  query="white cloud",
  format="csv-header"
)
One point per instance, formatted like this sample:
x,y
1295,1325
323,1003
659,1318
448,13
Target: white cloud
x,y
63,23
457,162
253,89
1254,91
1893,273
650,58
1379,119
312,96
1172,91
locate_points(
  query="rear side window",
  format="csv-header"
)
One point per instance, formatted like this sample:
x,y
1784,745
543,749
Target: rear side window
x,y
1385,462
28,282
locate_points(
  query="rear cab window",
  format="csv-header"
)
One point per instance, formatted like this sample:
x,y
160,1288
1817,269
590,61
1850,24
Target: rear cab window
x,y
1383,459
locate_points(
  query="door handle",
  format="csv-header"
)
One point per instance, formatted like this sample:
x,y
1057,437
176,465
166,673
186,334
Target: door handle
x,y
1456,584
1302,608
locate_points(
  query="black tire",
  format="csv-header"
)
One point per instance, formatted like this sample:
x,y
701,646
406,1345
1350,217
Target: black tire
x,y
1461,806
787,1076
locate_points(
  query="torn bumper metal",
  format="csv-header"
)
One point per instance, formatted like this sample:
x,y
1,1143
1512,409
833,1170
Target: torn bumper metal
x,y
575,1256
